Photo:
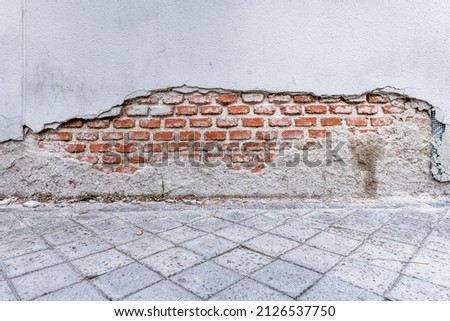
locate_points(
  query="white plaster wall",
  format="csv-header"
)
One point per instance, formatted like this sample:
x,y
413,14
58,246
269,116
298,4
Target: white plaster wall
x,y
84,56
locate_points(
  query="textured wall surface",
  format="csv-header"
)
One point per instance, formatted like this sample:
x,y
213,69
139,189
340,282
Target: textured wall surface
x,y
218,143
85,56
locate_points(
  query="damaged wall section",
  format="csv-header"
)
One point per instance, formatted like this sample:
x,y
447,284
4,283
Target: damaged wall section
x,y
228,143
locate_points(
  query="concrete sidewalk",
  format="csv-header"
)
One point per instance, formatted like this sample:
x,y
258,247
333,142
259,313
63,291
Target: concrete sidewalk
x,y
232,250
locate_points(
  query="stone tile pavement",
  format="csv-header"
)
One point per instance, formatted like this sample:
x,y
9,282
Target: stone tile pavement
x,y
227,250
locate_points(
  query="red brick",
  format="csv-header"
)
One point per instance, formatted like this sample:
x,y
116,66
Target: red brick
x,y
152,99
163,136
74,148
254,146
112,136
93,159
200,122
150,123
305,98
331,121
305,122
252,98
240,134
50,147
154,147
112,159
63,136
74,123
124,123
390,109
98,148
189,135
317,133
87,136
292,134
211,110
104,123
226,98
316,109
173,99
238,109
125,169
279,98
258,168
341,109
137,159
126,148
291,109
264,109
280,122
366,109
178,147
139,135
174,123
200,99
356,121
377,99
253,122
226,122
380,121
186,110
215,135
266,135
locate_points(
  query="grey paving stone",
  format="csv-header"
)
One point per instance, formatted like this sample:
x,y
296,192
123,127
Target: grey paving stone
x,y
181,234
411,223
67,235
261,222
126,280
243,261
270,244
82,291
400,234
328,216
189,216
249,290
428,269
312,258
334,243
11,225
172,261
123,236
412,289
30,262
294,231
210,224
159,225
238,233
145,246
436,242
424,214
209,245
367,221
386,253
89,217
235,215
36,284
334,289
286,277
107,226
5,292
163,291
351,234
21,247
206,279
364,275
102,262
83,247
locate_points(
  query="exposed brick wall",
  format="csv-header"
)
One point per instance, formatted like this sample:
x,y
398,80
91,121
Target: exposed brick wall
x,y
244,131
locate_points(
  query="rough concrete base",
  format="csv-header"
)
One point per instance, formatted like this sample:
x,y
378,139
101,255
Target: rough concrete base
x,y
395,162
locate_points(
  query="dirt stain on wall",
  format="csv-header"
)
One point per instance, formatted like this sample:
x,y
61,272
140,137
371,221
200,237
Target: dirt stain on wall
x,y
367,151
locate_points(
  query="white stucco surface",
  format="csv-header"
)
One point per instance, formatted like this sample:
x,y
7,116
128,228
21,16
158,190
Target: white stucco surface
x,y
85,56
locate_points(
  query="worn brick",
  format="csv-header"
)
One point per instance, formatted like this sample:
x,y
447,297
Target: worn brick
x,y
163,136
211,110
103,123
292,134
303,99
189,135
305,121
252,98
264,109
200,122
381,121
87,136
365,109
112,136
377,99
226,122
226,98
62,136
280,122
112,158
391,109
186,110
139,135
215,135
316,109
291,109
279,98
317,133
124,123
238,109
200,99
240,134
175,123
74,123
267,135
173,98
150,123
161,111
253,122
331,121
74,148
341,109
356,121
126,148
97,148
